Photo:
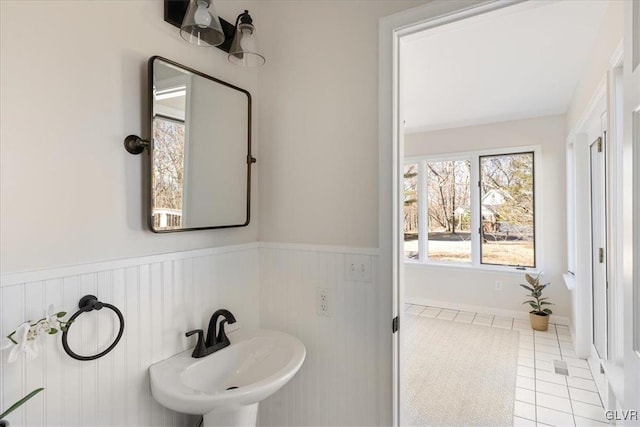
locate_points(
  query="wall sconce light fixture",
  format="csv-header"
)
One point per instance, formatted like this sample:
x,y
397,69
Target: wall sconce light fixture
x,y
200,25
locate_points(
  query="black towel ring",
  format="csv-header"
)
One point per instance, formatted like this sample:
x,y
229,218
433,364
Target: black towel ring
x,y
89,303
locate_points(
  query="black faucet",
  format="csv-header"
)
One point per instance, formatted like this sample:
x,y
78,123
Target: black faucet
x,y
215,340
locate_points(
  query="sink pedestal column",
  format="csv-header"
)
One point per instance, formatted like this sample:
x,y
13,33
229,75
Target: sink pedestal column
x,y
239,416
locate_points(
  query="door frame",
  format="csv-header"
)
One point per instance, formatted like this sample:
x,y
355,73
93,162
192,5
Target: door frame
x,y
391,30
631,206
390,155
599,220
606,97
580,143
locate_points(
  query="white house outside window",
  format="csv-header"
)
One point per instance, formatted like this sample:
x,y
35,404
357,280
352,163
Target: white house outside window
x,y
472,210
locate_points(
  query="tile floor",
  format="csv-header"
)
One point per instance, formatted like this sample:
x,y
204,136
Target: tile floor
x,y
543,397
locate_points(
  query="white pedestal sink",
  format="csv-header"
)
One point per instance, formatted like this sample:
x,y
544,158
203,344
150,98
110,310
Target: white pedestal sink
x,y
226,386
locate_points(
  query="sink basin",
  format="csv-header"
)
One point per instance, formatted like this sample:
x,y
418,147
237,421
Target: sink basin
x,y
226,386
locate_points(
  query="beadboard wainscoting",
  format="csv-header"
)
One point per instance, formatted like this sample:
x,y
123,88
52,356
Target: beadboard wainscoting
x,y
161,297
339,382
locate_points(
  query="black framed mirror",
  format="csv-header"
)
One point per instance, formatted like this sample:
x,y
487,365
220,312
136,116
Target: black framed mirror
x,y
200,150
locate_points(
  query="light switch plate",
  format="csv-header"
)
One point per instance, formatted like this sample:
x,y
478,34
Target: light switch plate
x,y
357,268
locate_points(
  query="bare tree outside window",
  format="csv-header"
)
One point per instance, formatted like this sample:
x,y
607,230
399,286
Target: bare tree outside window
x,y
498,229
411,219
507,204
448,206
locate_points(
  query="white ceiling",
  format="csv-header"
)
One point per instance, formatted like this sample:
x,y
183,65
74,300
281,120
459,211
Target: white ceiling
x,y
522,61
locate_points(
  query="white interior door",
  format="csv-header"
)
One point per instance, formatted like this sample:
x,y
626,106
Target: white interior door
x,y
599,286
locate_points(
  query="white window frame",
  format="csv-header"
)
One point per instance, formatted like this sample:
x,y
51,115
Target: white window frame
x,y
474,158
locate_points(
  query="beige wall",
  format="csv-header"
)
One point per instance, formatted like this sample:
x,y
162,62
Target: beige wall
x,y
478,288
72,87
70,194
318,131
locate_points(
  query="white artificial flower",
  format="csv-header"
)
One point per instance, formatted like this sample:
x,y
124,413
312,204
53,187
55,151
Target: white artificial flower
x,y
52,316
26,336
49,321
43,326
20,337
30,346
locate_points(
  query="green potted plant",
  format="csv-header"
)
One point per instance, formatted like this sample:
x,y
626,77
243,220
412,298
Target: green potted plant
x,y
24,341
5,423
539,316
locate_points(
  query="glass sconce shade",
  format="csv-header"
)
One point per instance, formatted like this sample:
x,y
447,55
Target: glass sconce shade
x,y
201,25
244,51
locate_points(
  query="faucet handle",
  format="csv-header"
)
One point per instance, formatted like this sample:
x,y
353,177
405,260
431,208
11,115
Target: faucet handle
x,y
200,349
195,331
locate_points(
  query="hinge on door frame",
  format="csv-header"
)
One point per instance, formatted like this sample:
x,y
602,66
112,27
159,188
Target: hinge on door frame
x,y
601,255
599,141
395,324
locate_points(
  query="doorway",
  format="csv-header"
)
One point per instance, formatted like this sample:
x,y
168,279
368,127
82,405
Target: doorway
x,y
599,226
398,28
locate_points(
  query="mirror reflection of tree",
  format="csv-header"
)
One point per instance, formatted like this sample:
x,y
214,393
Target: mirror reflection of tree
x,y
168,171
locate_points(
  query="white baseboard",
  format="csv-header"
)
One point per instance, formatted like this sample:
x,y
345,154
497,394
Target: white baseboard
x,y
559,320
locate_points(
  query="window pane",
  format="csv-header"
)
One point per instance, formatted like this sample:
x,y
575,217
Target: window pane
x,y
168,171
411,211
507,210
449,215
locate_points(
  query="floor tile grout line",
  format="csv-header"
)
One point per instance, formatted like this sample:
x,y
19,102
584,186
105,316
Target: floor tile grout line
x,y
601,405
535,407
573,415
571,386
559,410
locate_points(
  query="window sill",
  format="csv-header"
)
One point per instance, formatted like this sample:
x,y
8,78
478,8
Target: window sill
x,y
473,269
